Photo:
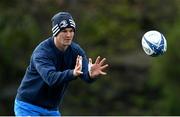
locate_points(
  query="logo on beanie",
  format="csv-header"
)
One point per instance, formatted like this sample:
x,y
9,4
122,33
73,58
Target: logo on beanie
x,y
63,24
72,23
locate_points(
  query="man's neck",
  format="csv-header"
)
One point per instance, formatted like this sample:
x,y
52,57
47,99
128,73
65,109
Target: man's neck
x,y
60,47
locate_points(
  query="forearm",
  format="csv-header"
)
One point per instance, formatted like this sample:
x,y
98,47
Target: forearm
x,y
56,78
49,74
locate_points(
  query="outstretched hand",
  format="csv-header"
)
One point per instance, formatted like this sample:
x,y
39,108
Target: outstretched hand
x,y
98,67
78,67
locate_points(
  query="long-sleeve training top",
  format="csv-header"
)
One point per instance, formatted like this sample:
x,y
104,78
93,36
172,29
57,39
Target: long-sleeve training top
x,y
49,73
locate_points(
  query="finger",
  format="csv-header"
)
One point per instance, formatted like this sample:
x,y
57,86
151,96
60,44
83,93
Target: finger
x,y
77,61
97,60
79,67
79,72
104,66
103,73
102,61
80,57
80,60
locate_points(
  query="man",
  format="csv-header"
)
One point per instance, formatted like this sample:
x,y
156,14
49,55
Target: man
x,y
54,63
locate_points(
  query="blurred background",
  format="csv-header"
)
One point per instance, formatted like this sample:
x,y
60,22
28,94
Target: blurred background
x,y
136,84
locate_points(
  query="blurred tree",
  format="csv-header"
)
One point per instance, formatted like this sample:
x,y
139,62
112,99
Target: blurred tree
x,y
166,72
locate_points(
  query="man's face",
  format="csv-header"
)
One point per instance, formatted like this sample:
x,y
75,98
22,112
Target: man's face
x,y
65,37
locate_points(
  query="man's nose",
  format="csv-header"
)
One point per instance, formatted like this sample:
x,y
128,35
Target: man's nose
x,y
68,34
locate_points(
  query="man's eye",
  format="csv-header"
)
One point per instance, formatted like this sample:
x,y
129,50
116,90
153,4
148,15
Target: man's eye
x,y
64,31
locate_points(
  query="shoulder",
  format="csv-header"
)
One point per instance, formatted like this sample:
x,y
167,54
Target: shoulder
x,y
43,47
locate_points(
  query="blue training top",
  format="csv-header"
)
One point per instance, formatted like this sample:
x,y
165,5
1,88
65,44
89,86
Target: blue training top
x,y
49,73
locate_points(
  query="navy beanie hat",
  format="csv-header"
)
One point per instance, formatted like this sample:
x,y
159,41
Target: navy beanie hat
x,y
60,21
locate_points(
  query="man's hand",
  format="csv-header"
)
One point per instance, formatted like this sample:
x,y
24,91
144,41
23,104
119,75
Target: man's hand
x,y
78,67
98,67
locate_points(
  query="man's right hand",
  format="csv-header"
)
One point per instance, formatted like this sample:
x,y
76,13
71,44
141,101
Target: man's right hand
x,y
78,67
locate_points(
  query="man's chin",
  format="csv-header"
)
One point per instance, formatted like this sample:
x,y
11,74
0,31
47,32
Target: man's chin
x,y
67,44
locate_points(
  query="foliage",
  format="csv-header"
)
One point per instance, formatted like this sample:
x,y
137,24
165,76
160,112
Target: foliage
x,y
166,73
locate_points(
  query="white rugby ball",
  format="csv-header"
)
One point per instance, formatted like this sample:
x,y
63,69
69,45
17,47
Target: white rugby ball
x,y
154,43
